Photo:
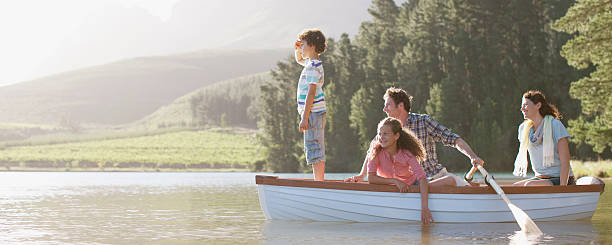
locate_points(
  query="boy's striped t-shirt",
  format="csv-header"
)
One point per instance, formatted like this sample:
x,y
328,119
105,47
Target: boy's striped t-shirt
x,y
311,74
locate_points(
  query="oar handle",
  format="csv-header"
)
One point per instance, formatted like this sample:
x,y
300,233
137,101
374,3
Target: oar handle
x,y
469,175
491,182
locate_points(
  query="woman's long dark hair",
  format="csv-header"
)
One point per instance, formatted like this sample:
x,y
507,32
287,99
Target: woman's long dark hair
x,y
407,140
547,108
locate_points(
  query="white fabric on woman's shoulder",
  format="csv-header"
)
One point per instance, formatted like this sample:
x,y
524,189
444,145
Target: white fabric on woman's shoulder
x,y
520,163
549,148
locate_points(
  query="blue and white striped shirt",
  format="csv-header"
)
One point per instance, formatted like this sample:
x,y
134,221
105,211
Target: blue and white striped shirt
x,y
311,74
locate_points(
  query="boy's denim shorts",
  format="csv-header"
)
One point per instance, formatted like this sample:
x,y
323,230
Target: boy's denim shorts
x,y
314,138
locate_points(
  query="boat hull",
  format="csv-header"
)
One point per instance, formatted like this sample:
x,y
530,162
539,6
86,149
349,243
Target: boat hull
x,y
458,205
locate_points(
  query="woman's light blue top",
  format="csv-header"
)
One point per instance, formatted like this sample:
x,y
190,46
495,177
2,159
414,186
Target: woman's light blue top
x,y
536,154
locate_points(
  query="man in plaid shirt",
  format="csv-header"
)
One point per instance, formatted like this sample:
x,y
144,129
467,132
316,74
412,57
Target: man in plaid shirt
x,y
397,105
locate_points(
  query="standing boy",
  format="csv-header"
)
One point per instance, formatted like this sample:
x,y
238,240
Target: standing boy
x,y
310,98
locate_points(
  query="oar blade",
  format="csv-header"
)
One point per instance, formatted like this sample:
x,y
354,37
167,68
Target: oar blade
x,y
524,221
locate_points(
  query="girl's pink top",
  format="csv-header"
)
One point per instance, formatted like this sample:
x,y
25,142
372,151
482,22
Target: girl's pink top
x,y
404,166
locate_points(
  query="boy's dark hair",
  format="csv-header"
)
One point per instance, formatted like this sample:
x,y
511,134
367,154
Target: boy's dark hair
x,y
398,95
314,37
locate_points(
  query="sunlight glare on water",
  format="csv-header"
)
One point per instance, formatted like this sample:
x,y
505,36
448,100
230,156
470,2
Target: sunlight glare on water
x,y
527,225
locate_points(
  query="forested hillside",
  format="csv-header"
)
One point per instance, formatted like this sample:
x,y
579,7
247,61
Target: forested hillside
x,y
466,63
226,103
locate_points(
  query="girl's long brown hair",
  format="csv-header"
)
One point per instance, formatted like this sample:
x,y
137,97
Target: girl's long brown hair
x,y
407,140
547,108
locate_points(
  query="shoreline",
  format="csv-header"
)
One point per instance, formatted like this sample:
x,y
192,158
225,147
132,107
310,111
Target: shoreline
x,y
179,170
165,170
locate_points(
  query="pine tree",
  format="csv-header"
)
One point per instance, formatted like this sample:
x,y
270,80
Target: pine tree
x,y
467,63
341,151
380,41
418,63
590,20
279,118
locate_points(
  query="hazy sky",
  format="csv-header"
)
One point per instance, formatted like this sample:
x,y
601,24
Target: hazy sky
x,y
42,37
33,30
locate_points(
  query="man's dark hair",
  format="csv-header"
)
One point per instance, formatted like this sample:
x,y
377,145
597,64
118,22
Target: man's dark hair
x,y
314,37
398,95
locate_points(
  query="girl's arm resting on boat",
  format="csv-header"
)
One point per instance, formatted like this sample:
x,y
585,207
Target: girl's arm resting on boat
x,y
426,217
364,168
564,157
373,178
361,174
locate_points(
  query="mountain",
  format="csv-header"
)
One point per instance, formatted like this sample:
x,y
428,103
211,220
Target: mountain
x,y
127,90
108,31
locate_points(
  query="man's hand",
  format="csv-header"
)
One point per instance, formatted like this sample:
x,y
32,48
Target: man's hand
x,y
356,178
477,160
426,217
303,125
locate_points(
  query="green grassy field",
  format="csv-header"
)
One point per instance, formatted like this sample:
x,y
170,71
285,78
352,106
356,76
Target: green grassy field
x,y
602,169
230,149
214,148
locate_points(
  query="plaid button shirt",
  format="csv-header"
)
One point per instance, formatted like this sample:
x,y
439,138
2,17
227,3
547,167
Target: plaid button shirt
x,y
429,132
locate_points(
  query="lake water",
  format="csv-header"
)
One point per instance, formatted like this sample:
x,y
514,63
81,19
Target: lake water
x,y
220,208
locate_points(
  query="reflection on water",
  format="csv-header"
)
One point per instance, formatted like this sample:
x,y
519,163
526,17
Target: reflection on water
x,y
128,208
279,232
522,238
204,208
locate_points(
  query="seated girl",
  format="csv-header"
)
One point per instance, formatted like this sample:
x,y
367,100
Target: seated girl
x,y
546,140
394,159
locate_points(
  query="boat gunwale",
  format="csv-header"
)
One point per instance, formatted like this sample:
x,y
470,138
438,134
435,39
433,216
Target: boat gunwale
x,y
364,186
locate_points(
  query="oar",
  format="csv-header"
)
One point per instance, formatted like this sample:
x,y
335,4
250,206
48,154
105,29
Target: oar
x,y
523,220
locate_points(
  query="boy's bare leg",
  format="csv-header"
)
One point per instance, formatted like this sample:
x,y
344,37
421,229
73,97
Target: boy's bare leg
x,y
318,169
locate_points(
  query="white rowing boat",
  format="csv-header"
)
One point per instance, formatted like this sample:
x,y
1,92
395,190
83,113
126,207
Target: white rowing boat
x,y
298,199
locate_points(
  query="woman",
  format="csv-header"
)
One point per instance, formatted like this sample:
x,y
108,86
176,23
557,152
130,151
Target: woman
x,y
394,159
546,140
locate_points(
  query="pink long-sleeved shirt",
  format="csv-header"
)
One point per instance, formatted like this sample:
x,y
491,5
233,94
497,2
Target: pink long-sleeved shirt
x,y
404,166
